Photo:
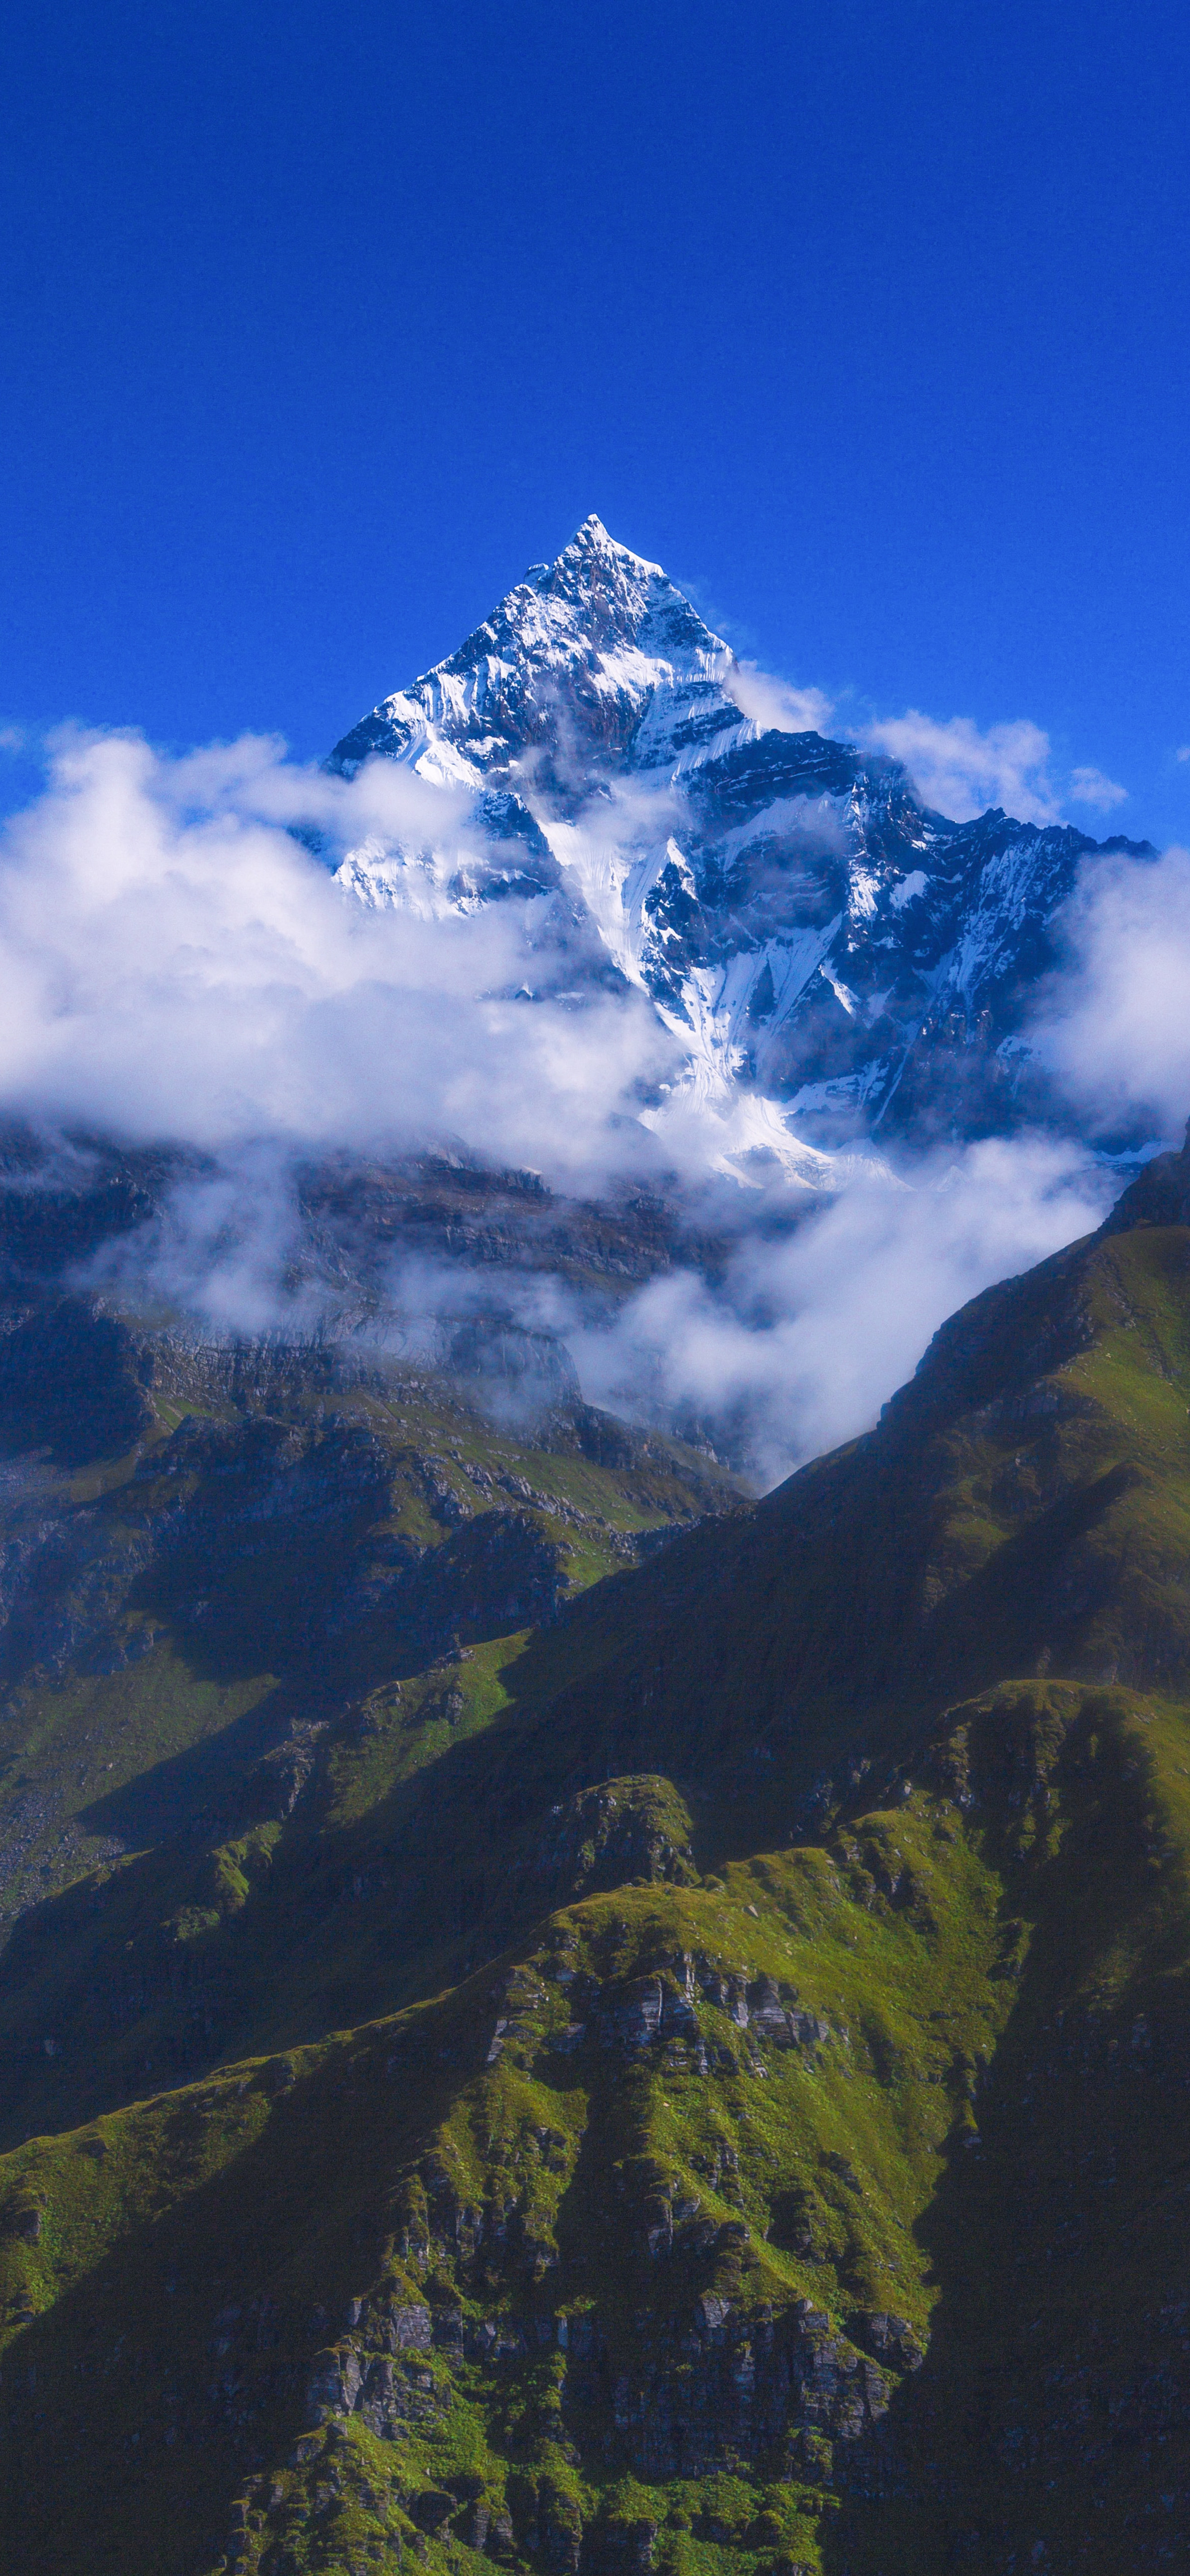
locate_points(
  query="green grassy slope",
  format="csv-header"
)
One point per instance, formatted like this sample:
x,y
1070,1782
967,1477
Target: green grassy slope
x,y
778,2153
607,2244
1021,1508
234,1646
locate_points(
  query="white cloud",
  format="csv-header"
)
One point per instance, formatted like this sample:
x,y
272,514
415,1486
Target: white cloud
x,y
1115,1028
788,1348
960,771
803,1339
1090,787
221,1248
775,704
173,962
1183,751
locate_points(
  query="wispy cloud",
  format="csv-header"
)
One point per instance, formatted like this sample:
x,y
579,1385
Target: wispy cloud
x,y
796,1346
784,1347
960,771
1090,787
174,963
776,704
1115,1027
957,767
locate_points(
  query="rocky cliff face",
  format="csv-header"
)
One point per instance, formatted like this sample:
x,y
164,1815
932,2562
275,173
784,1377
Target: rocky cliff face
x,y
805,928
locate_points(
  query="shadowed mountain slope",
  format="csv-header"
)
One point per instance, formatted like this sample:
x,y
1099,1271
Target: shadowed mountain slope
x,y
776,2159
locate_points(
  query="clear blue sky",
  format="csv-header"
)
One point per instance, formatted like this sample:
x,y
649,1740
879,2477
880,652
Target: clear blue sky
x,y
871,321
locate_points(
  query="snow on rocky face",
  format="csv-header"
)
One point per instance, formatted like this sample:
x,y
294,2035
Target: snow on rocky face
x,y
832,956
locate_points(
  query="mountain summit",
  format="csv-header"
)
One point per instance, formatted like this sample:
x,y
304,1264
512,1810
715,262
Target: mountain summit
x,y
595,660
802,923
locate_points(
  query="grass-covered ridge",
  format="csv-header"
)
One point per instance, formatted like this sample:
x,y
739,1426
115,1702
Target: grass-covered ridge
x,y
691,2073
547,2248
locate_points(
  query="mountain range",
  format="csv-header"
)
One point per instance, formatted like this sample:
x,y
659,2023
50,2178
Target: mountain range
x,y
553,2014
821,945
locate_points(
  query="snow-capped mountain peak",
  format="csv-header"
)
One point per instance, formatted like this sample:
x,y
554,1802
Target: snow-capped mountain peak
x,y
816,939
568,669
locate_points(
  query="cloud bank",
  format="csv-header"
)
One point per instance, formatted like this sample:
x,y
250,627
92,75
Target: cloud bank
x,y
790,1347
804,1340
175,963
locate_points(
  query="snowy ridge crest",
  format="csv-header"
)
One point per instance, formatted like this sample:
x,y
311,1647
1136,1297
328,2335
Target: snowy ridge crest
x,y
838,962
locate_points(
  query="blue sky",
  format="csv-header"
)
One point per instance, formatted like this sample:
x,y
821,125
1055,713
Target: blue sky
x,y
320,323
